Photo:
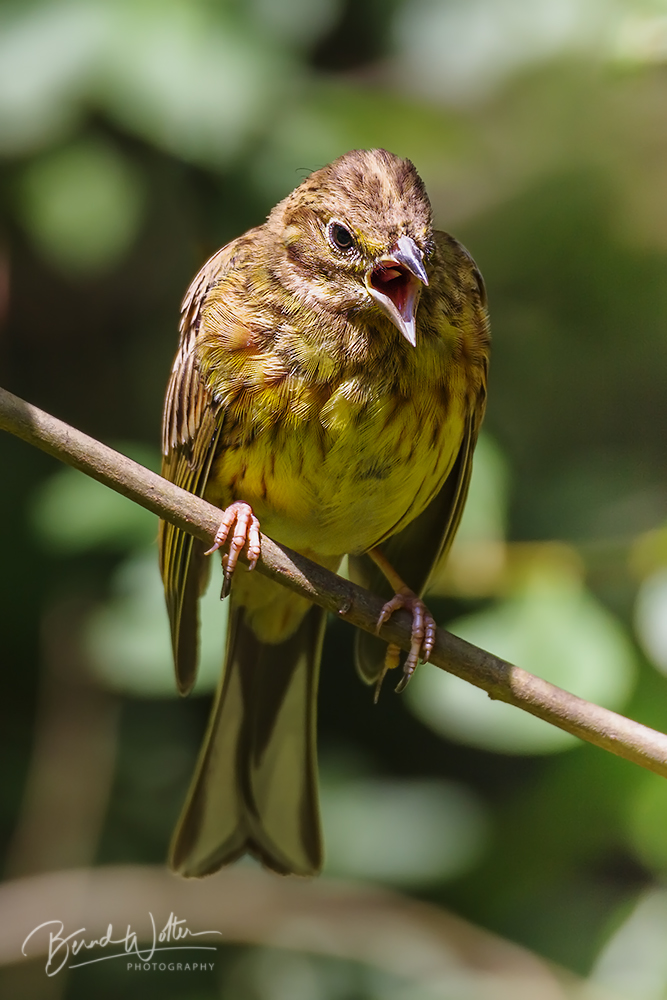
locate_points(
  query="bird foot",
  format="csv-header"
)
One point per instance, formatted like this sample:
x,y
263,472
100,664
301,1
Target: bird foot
x,y
245,536
423,636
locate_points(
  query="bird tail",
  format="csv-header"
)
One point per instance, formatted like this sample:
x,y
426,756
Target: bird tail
x,y
255,785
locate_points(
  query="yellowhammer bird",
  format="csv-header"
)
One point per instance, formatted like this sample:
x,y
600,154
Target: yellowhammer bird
x,y
329,385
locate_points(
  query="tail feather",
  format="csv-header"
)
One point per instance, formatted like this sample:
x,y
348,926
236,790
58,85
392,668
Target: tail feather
x,y
255,786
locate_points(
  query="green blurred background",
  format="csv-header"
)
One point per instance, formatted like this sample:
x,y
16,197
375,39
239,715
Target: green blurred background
x,y
138,136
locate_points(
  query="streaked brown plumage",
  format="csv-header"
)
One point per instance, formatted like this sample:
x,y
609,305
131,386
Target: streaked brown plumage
x,y
314,384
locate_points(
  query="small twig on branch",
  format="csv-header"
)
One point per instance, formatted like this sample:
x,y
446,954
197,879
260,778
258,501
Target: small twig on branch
x,y
501,680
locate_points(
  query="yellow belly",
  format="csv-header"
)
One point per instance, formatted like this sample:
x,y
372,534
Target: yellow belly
x,y
342,480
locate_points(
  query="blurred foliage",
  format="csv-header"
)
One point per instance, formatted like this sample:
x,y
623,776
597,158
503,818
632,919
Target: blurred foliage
x,y
550,626
71,512
368,821
651,618
136,137
82,206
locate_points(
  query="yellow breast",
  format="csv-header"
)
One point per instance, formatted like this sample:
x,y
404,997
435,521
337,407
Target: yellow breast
x,y
338,475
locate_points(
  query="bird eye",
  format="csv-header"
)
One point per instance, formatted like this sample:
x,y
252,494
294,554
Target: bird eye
x,y
341,237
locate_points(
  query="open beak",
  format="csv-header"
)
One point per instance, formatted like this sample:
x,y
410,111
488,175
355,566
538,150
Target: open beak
x,y
395,282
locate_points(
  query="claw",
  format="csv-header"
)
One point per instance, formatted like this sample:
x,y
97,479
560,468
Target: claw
x,y
391,660
245,536
422,639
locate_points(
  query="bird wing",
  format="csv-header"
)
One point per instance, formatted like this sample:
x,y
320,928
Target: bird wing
x,y
191,426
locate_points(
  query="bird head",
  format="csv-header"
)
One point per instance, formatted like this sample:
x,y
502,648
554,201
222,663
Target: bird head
x,y
358,235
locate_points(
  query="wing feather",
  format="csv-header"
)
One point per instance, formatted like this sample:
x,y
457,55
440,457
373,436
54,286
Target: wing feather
x,y
192,422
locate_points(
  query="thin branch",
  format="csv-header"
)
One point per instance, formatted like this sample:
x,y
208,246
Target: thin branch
x,y
501,680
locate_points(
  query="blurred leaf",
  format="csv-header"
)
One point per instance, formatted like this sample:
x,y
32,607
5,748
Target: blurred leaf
x,y
651,618
295,22
402,832
463,50
47,55
552,627
189,77
633,963
128,638
82,205
73,513
648,822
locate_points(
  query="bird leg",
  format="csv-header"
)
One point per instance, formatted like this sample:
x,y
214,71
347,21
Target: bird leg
x,y
423,624
246,535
